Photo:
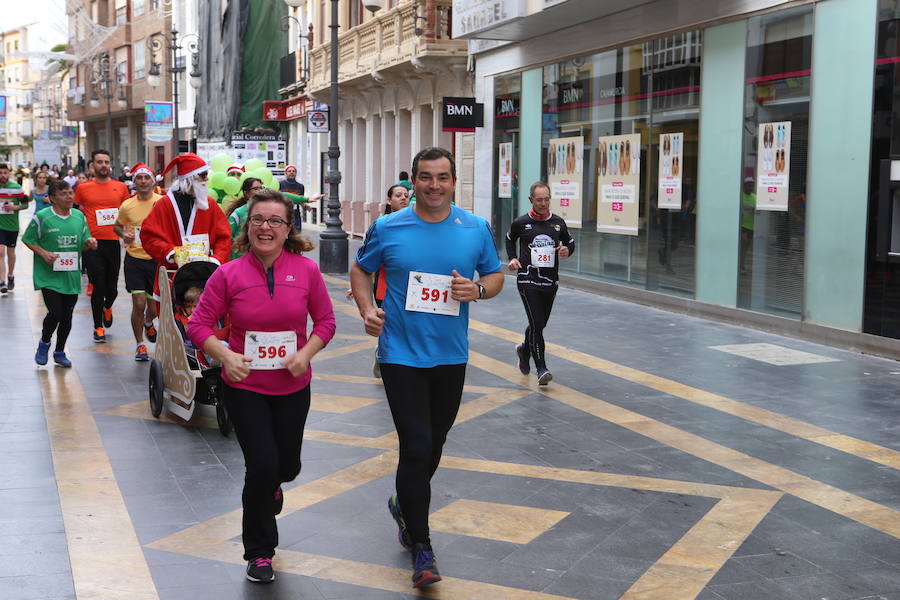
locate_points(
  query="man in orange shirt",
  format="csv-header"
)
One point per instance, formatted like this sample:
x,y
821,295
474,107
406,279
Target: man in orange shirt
x,y
100,199
140,268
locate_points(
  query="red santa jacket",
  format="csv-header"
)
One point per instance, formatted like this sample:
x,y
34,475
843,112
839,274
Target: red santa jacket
x,y
162,230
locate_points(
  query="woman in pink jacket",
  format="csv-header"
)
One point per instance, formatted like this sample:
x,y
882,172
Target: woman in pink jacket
x,y
267,294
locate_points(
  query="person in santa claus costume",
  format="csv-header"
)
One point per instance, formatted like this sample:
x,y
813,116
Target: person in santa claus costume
x,y
186,216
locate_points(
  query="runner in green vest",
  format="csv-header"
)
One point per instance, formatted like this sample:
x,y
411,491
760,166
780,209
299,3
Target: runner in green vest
x,y
12,200
57,235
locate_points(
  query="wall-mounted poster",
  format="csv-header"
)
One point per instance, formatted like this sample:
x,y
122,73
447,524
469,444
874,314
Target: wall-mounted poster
x,y
773,165
671,165
504,171
565,158
619,176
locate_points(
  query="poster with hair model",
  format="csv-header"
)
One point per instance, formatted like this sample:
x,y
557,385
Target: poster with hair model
x,y
504,170
671,165
618,183
565,158
773,166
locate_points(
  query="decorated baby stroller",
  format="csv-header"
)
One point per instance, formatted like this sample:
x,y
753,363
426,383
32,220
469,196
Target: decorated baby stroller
x,y
180,377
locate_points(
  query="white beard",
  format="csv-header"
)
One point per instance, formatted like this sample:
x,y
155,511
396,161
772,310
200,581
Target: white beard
x,y
201,194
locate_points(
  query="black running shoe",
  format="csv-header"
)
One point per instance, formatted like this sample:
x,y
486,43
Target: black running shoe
x,y
424,568
402,533
3,288
522,355
259,570
12,283
151,332
544,377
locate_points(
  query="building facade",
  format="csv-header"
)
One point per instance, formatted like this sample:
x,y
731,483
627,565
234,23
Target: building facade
x,y
716,156
396,65
112,79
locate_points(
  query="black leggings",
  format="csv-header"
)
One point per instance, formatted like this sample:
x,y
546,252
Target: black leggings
x,y
102,267
538,304
270,432
424,403
59,317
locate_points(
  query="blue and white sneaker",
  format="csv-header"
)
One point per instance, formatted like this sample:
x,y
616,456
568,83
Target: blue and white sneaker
x,y
43,350
61,359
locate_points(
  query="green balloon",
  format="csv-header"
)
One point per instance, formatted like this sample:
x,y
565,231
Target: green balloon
x,y
260,173
232,186
221,162
244,176
217,179
270,182
253,164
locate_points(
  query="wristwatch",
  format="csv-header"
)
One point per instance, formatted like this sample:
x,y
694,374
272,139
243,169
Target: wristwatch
x,y
481,291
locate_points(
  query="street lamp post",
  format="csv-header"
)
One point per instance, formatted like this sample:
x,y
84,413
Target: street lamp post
x,y
174,45
333,246
100,77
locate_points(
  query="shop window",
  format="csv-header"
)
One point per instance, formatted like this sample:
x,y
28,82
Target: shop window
x,y
604,116
507,99
776,137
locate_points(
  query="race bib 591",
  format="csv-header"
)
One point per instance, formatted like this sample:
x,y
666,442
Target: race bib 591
x,y
430,293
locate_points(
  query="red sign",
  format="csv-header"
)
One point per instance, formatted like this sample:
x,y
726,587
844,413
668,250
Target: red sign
x,y
285,110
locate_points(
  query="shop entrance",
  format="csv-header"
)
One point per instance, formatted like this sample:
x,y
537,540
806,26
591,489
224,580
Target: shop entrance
x,y
881,311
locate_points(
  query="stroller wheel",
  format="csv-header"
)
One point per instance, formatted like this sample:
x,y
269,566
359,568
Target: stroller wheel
x,y
223,419
156,387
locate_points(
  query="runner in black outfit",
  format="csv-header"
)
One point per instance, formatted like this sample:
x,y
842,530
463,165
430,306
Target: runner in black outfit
x,y
541,236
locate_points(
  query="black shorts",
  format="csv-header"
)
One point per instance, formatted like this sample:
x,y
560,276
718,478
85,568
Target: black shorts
x,y
8,238
140,273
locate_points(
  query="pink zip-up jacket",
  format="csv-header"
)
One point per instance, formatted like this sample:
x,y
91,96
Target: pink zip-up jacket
x,y
257,300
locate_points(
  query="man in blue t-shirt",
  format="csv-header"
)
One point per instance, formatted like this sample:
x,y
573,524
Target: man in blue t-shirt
x,y
430,253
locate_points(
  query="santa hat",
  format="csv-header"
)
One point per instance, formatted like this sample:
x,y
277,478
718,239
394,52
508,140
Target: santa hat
x,y
294,167
141,169
234,169
186,165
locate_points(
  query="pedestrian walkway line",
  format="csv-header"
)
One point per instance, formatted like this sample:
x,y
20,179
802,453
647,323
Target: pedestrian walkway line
x,y
688,565
107,560
682,572
773,420
821,494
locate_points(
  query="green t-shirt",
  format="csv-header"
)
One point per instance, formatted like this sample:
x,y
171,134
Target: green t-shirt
x,y
236,221
12,191
57,234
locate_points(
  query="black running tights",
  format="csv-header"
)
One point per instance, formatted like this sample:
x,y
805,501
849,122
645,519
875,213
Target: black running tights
x,y
424,403
59,317
270,432
102,267
538,304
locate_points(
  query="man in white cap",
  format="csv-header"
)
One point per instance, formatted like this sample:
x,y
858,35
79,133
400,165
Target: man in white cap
x,y
140,268
186,216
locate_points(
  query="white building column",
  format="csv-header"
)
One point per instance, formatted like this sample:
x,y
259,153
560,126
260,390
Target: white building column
x,y
388,152
373,158
403,136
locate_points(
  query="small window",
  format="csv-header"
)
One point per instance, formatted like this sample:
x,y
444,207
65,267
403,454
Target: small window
x,y
138,52
137,8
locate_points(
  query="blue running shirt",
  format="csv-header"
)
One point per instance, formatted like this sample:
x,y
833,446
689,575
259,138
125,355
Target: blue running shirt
x,y
403,242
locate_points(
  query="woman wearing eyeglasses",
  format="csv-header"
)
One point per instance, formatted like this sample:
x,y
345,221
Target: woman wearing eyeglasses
x,y
267,293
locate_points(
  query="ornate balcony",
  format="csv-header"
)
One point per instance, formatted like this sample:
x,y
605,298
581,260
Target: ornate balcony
x,y
414,34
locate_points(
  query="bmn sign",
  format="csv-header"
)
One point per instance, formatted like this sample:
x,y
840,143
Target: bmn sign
x,y
462,114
